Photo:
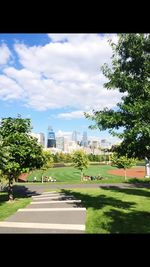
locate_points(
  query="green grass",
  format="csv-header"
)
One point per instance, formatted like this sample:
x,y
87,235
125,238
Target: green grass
x,y
8,208
115,210
72,175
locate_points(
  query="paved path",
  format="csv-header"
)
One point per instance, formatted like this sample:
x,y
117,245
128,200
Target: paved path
x,y
47,213
40,188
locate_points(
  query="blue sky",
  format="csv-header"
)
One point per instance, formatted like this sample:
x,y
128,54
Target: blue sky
x,y
53,78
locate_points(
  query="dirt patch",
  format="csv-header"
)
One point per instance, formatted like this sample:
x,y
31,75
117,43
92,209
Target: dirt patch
x,y
138,172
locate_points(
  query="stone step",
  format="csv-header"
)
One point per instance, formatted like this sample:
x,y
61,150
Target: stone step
x,y
38,226
51,209
10,230
74,216
48,195
53,205
56,202
53,197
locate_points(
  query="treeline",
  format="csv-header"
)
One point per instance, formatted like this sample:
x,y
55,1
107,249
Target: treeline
x,y
60,157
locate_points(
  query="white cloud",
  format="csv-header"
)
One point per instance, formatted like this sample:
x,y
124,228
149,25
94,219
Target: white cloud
x,y
64,74
9,89
65,134
4,54
71,115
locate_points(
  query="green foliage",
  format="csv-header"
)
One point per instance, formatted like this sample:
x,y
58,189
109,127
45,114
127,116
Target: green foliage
x,y
48,160
4,155
80,160
62,157
24,152
122,162
130,74
98,158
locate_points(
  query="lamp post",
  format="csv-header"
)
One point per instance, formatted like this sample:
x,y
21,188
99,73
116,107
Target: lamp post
x,y
147,170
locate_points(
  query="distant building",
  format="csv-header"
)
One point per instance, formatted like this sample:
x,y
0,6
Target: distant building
x,y
51,141
60,142
70,146
84,141
105,144
40,138
74,136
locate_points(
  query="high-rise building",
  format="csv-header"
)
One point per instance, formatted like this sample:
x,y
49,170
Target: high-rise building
x,y
95,144
51,141
74,136
84,141
70,146
60,142
105,143
42,139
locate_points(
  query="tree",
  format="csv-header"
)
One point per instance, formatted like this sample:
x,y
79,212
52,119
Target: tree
x,y
122,163
130,74
24,152
4,158
80,160
48,161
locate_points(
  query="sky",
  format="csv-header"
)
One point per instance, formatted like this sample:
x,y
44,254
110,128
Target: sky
x,y
53,78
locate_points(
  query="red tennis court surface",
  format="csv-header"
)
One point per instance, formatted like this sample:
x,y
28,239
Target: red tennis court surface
x,y
138,172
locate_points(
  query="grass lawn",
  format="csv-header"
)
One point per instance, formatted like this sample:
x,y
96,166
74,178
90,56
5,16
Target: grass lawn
x,y
8,208
72,175
115,210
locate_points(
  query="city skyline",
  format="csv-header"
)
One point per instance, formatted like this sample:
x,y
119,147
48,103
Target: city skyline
x,y
84,140
56,144
54,78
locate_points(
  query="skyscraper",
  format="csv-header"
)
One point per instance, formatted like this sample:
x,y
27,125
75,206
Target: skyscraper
x,y
84,141
74,136
51,141
60,142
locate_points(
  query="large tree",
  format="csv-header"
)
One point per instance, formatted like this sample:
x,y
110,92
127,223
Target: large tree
x,y
130,74
24,152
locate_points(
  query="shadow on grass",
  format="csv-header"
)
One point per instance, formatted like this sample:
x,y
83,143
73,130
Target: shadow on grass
x,y
115,221
98,202
139,181
19,191
131,222
129,191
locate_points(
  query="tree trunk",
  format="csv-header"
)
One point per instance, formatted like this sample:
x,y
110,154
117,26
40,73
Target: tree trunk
x,y
10,188
125,174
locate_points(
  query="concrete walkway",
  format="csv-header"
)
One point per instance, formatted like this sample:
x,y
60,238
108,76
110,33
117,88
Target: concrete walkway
x,y
26,188
47,213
